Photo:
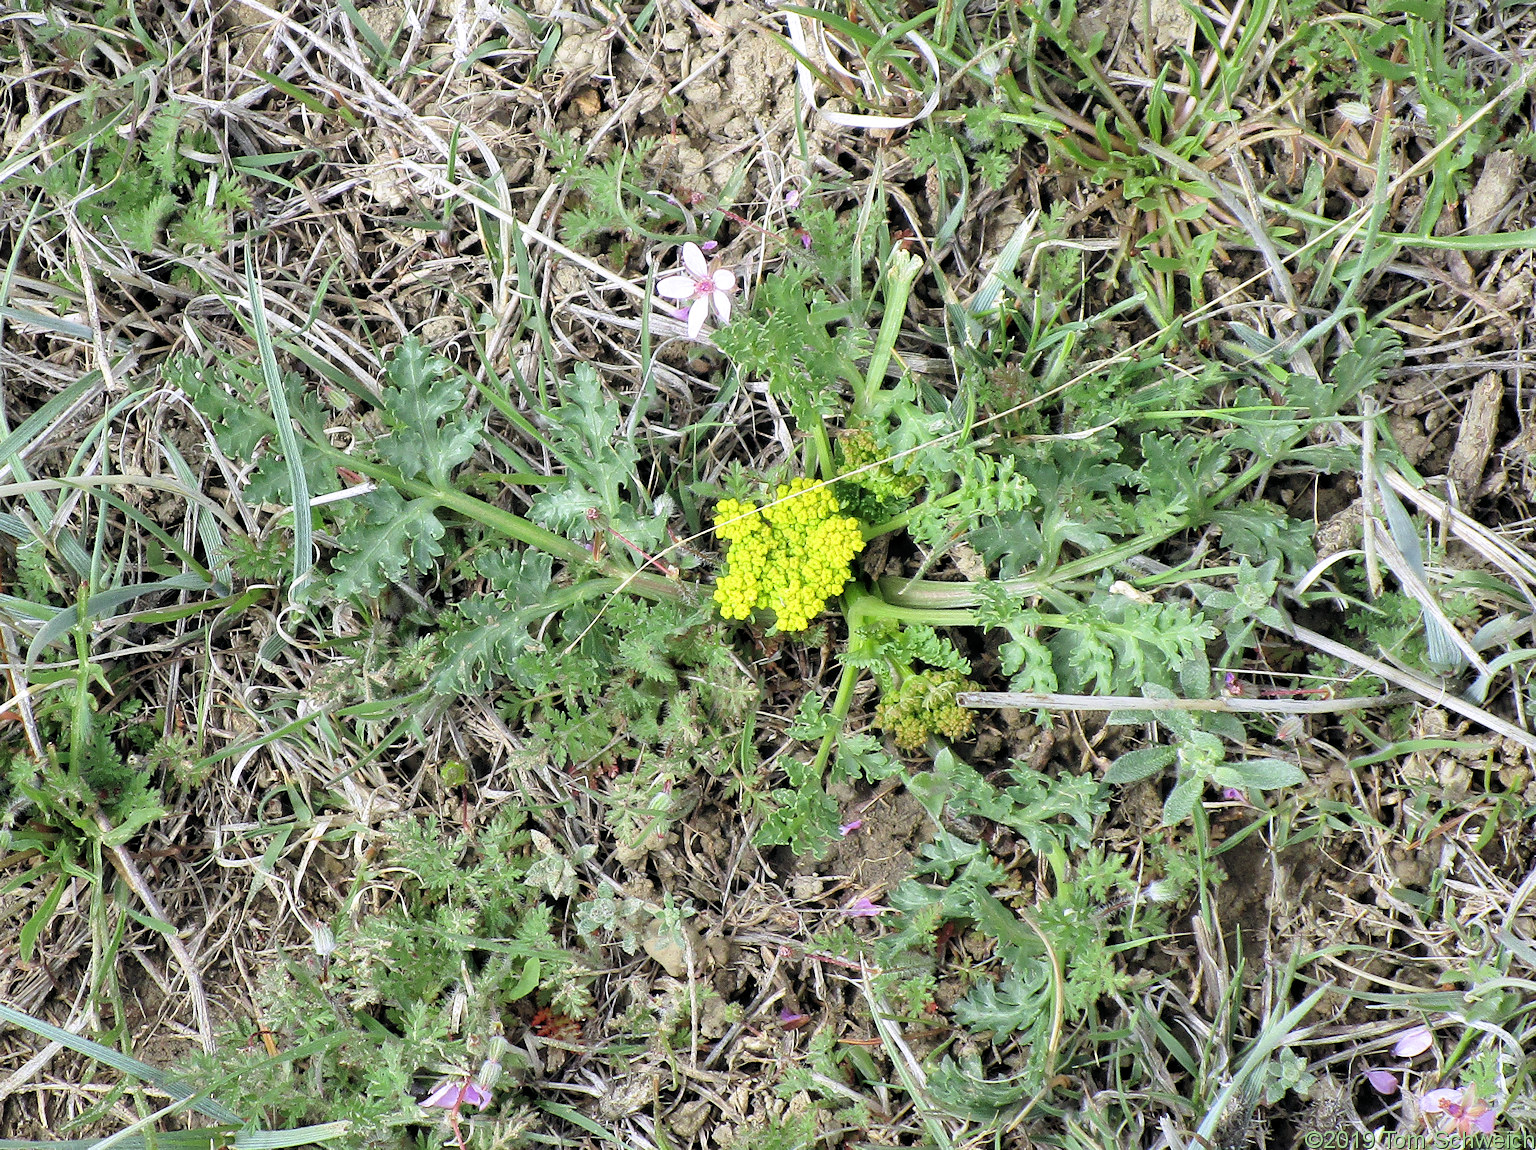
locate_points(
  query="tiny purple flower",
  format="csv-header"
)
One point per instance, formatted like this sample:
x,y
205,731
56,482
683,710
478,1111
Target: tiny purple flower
x,y
863,908
1413,1042
1383,1081
848,828
1235,795
454,1092
792,199
789,1020
702,286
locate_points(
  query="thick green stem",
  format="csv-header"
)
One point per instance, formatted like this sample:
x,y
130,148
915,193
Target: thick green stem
x,y
823,444
861,606
900,274
840,705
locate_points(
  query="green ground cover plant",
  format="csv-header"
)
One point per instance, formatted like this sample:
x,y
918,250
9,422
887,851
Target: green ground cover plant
x,y
753,577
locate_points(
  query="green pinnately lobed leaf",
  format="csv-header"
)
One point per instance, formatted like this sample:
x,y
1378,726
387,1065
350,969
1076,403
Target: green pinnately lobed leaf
x,y
401,526
599,465
485,632
430,433
1056,958
229,395
387,537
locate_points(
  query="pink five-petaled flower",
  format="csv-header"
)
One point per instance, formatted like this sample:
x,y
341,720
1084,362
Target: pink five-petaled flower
x,y
1465,1111
451,1093
698,283
1413,1042
863,908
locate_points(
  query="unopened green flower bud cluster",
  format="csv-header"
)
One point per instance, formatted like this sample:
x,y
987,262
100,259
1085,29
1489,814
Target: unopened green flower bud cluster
x,y
865,464
788,557
925,705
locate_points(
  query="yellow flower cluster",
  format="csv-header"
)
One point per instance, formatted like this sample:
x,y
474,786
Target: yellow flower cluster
x,y
787,558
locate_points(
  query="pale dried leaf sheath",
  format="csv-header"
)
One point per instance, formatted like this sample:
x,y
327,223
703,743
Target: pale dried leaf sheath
x,y
1474,442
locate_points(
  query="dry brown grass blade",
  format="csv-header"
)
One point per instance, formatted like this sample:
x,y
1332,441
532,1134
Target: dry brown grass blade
x,y
124,863
1425,688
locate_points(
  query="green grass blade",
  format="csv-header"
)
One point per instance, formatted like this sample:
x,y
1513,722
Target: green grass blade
x,y
214,1138
104,603
577,1118
118,1061
46,322
303,542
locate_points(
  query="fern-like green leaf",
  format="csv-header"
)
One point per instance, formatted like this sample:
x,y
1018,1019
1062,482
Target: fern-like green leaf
x,y
488,632
201,227
392,536
430,434
140,226
160,147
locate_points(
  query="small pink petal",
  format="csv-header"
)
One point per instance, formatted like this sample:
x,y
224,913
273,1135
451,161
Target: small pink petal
x,y
709,245
450,1093
696,314
1484,1122
1384,1081
1436,1101
725,280
848,828
1414,1042
676,287
693,260
792,198
863,908
805,240
722,306
789,1020
1235,795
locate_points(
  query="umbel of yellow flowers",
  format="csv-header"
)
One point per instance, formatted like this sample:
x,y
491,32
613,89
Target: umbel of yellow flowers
x,y
788,557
